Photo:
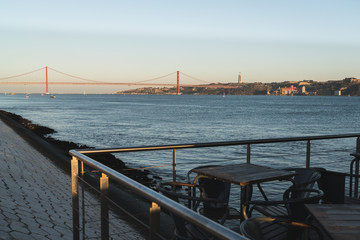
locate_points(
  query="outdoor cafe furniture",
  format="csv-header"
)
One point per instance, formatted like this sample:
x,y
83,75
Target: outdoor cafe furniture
x,y
184,230
292,203
206,195
245,175
339,221
291,207
213,189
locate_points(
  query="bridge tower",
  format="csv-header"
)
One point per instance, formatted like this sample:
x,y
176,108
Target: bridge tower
x,y
239,78
178,83
47,81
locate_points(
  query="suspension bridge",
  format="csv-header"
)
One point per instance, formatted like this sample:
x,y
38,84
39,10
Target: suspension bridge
x,y
85,81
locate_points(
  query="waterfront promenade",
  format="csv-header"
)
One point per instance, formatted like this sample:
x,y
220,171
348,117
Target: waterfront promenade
x,y
35,199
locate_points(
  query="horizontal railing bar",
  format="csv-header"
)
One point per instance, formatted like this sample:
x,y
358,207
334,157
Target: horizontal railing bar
x,y
208,225
216,144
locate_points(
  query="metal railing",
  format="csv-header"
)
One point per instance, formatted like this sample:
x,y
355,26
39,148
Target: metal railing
x,y
158,199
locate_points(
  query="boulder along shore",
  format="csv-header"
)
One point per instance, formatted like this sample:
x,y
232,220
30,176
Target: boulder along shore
x,y
40,138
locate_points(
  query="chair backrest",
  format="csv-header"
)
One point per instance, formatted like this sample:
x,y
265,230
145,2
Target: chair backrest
x,y
252,229
256,229
305,179
183,229
302,191
272,228
214,189
180,224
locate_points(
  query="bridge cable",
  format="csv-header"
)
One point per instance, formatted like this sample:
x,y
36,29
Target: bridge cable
x,y
90,80
85,79
69,75
23,74
194,78
155,78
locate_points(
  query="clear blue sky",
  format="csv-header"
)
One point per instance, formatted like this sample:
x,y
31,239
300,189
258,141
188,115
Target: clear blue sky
x,y
135,40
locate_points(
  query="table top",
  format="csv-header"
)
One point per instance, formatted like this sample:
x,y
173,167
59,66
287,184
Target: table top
x,y
340,221
244,174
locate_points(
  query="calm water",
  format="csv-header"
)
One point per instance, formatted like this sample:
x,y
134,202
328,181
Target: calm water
x,y
127,120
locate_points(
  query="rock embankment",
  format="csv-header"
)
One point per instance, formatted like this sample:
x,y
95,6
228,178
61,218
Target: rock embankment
x,y
40,137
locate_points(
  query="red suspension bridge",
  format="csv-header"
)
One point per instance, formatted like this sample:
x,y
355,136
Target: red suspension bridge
x,y
85,81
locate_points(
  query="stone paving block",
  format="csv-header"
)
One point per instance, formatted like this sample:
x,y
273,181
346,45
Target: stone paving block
x,y
19,235
4,226
24,211
39,231
7,205
4,235
10,215
31,223
36,236
19,227
66,232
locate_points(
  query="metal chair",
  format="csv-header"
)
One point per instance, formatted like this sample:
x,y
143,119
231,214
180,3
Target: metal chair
x,y
266,228
183,229
217,190
292,204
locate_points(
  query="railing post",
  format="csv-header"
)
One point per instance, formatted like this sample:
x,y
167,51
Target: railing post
x,y
248,154
83,199
356,179
174,165
104,188
154,220
356,184
308,154
75,197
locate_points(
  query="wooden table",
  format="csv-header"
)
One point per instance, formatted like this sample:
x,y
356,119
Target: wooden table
x,y
340,221
244,174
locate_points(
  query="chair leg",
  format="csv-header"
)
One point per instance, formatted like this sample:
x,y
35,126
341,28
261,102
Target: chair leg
x,y
223,219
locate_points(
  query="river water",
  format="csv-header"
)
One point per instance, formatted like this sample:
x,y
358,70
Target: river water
x,y
136,120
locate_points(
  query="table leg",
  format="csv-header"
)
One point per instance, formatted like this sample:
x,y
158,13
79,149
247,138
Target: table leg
x,y
245,196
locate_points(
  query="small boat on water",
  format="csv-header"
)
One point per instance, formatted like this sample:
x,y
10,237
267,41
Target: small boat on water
x,y
52,96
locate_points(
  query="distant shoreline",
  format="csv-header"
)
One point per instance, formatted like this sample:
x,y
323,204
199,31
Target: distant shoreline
x,y
347,87
143,94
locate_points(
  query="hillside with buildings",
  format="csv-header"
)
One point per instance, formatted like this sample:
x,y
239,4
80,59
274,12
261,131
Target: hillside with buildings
x,y
347,87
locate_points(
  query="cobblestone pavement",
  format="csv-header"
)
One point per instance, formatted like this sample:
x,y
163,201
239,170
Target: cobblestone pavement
x,y
35,197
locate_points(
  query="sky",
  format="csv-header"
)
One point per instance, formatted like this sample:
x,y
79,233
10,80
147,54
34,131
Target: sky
x,y
129,41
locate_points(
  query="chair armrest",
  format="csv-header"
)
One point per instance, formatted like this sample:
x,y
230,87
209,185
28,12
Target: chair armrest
x,y
289,200
318,195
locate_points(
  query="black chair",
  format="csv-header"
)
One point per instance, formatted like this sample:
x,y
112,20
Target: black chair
x,y
267,228
305,178
183,229
213,189
292,204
